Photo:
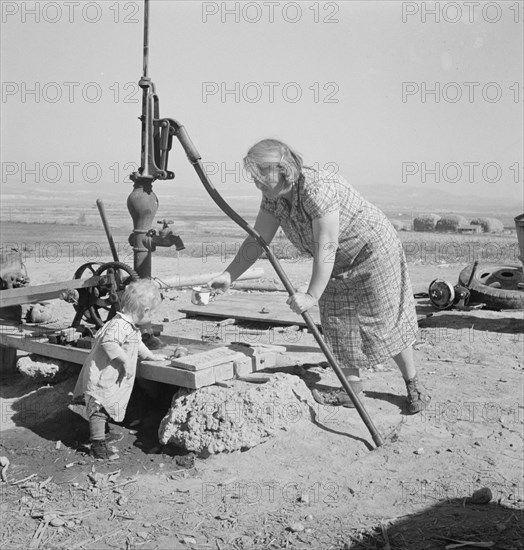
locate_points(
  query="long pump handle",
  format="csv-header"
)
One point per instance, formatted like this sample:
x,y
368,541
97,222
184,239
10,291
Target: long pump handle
x,y
195,159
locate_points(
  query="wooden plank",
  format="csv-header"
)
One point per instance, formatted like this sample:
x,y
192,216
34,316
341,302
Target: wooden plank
x,y
40,293
43,347
247,307
159,371
207,359
163,371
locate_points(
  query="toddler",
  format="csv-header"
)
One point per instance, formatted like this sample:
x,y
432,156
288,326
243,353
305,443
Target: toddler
x,y
108,374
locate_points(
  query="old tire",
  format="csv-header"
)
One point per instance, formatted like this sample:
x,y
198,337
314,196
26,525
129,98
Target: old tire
x,y
495,285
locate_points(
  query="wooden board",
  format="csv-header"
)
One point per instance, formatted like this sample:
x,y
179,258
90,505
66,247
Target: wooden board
x,y
159,371
206,359
40,293
41,346
247,307
247,361
163,371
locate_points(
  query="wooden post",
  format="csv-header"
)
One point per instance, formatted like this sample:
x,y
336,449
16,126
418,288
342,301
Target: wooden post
x,y
7,360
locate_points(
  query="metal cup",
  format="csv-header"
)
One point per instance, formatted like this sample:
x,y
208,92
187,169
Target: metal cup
x,y
200,296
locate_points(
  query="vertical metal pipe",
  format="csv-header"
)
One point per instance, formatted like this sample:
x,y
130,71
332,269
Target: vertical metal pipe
x,y
107,229
146,36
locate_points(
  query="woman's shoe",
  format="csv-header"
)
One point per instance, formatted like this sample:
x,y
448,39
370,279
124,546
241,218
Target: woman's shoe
x,y
418,399
338,397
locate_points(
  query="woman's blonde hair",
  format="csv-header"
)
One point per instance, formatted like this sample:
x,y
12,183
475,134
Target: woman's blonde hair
x,y
277,153
140,295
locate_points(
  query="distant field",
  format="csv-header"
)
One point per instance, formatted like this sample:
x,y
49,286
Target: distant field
x,y
78,244
62,224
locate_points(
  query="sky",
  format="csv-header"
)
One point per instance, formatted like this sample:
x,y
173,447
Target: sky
x,y
420,94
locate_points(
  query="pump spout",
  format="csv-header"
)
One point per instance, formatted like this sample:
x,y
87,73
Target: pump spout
x,y
166,237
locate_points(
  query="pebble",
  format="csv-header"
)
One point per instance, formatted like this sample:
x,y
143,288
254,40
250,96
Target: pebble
x,y
481,496
142,534
304,497
147,524
57,522
296,527
180,352
419,451
189,540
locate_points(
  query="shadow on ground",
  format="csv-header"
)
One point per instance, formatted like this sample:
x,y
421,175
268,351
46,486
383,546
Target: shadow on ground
x,y
446,523
44,429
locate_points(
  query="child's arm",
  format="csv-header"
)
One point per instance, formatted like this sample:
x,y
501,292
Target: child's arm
x,y
121,359
145,353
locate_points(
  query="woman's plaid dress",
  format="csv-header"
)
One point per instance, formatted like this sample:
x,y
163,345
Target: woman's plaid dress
x,y
367,310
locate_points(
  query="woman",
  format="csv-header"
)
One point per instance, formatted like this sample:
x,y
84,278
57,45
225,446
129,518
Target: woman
x,y
359,276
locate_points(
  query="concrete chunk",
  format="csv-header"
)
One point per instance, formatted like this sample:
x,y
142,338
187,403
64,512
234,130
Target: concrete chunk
x,y
217,419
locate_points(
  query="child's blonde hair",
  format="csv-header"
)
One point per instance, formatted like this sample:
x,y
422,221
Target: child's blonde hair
x,y
140,295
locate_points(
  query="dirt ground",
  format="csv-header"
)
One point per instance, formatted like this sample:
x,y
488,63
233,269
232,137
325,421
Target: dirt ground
x,y
318,484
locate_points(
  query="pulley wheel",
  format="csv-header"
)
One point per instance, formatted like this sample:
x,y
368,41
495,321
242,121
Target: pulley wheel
x,y
96,305
441,294
85,295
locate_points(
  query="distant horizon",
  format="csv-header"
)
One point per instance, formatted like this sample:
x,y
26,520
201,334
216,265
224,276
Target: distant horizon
x,y
383,94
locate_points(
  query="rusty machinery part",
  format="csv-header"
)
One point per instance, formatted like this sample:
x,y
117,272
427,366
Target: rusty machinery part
x,y
90,267
441,294
13,271
13,279
498,286
81,299
97,305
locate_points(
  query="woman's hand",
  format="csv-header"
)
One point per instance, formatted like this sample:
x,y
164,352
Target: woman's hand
x,y
221,283
301,302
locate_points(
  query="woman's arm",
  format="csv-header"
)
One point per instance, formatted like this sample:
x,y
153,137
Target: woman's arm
x,y
266,225
325,234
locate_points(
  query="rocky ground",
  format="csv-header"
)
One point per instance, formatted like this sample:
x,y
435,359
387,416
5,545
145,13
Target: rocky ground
x,y
316,482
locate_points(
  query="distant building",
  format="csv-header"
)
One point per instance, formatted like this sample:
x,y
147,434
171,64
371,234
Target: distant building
x,y
469,229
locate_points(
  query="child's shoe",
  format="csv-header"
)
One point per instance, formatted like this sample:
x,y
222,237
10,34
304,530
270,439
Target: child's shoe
x,y
418,399
113,436
100,450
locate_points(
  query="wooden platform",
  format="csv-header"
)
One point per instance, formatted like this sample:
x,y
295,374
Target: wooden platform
x,y
248,307
204,366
